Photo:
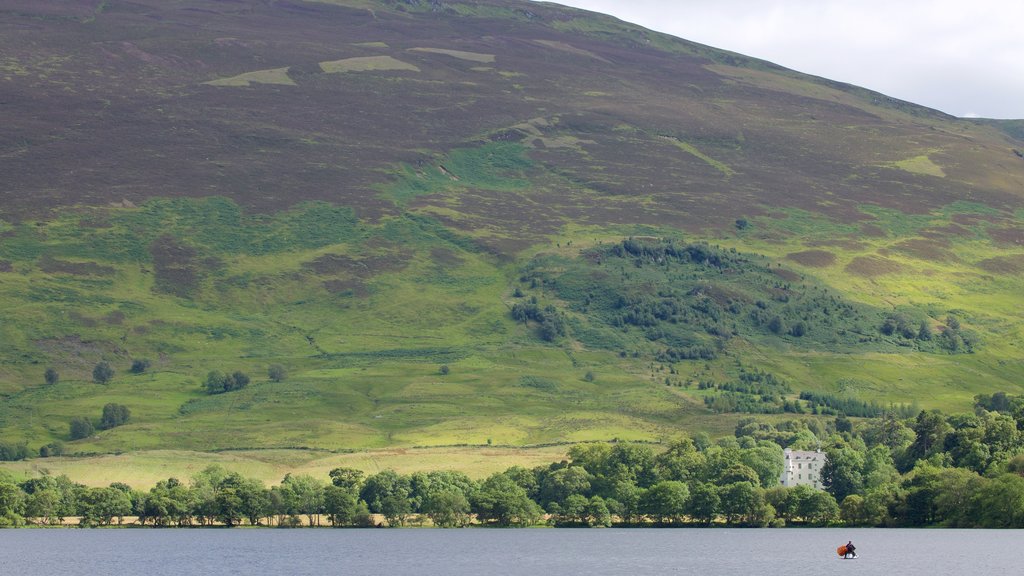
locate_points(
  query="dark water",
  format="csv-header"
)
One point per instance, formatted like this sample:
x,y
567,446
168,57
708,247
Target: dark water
x,y
791,552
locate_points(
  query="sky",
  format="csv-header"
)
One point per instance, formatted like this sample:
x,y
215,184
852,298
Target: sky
x,y
965,58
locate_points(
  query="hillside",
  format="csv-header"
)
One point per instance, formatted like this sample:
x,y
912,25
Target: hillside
x,y
471,223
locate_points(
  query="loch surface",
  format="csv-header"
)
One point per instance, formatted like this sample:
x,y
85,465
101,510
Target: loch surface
x,y
475,552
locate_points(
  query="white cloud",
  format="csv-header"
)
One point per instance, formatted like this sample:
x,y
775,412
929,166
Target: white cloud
x,y
951,55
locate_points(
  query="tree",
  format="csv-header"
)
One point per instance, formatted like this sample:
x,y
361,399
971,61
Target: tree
x,y
102,373
276,373
931,430
205,485
598,513
348,478
51,376
703,504
303,495
382,485
43,505
628,495
999,503
341,505
100,506
738,501
742,473
853,511
559,484
114,415
448,509
426,486
573,510
841,474
525,479
681,461
766,459
635,462
12,504
396,509
794,504
502,501
168,502
820,509
255,499
139,365
81,428
228,504
665,500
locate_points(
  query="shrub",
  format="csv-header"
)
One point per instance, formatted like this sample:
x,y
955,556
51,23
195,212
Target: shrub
x,y
276,373
10,451
114,415
140,365
217,383
52,449
81,428
102,373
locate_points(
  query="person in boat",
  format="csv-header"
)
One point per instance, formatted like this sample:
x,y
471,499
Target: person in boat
x,y
851,550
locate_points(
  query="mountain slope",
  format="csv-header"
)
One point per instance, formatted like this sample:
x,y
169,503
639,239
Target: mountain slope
x,y
363,192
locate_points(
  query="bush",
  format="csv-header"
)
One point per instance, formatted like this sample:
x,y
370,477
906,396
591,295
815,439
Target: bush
x,y
140,365
81,428
217,383
443,370
10,451
51,376
102,373
798,330
51,449
276,373
114,415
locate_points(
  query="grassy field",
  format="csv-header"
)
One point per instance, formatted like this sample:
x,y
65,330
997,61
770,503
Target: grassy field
x,y
144,469
363,317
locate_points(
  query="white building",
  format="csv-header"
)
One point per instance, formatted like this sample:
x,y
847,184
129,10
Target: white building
x,y
802,467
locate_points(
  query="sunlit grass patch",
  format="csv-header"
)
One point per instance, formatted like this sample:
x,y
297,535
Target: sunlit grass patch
x,y
922,164
460,54
271,76
693,151
367,64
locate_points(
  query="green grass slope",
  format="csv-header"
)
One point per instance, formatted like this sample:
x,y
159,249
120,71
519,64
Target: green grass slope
x,y
599,231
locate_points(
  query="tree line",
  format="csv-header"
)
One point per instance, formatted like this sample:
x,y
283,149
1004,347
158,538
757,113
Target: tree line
x,y
930,470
